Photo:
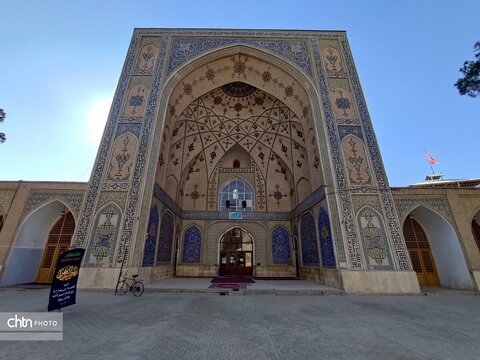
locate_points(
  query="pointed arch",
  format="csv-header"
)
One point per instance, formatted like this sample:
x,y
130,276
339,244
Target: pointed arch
x,y
374,239
136,101
236,252
356,160
445,247
101,248
123,155
59,239
236,190
29,244
192,245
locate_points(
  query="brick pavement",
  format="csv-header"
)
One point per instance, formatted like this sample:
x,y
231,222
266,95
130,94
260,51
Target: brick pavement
x,y
207,326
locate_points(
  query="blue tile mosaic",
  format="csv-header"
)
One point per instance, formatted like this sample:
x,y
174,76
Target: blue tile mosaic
x,y
151,241
280,246
164,253
326,243
192,245
309,241
184,49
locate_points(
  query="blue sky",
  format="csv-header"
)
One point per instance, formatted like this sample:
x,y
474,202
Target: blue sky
x,y
60,62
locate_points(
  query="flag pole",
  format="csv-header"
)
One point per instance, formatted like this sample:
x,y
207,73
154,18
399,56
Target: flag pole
x,y
429,163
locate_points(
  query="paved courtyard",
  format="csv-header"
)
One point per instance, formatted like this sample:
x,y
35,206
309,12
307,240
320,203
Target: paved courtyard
x,y
209,326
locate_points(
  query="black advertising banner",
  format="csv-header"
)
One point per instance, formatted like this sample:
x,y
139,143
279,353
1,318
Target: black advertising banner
x,y
64,285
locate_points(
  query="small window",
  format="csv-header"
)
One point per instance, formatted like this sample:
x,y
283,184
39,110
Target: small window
x,y
236,163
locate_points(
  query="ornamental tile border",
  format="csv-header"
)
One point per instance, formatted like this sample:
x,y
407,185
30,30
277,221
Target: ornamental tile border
x,y
343,131
246,33
123,128
71,198
94,185
184,49
137,180
389,212
438,203
345,201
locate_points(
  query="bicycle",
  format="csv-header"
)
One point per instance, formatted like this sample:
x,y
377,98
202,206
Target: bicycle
x,y
136,287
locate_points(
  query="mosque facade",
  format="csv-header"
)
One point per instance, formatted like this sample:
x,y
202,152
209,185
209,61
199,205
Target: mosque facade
x,y
245,153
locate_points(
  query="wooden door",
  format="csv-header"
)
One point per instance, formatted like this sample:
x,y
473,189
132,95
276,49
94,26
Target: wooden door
x,y
58,241
236,263
420,253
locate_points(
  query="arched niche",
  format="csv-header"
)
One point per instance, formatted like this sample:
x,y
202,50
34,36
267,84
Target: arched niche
x,y
26,253
280,246
192,245
122,158
101,248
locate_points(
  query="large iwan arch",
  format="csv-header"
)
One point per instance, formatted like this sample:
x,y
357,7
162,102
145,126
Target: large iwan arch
x,y
267,106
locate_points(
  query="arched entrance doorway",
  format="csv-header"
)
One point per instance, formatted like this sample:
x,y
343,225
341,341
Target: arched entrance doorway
x,y
420,253
435,248
27,255
236,253
59,239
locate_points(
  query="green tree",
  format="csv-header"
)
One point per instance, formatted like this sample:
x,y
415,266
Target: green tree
x,y
469,84
3,138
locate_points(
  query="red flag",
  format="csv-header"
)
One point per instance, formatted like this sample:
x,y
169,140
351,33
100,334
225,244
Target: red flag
x,y
431,160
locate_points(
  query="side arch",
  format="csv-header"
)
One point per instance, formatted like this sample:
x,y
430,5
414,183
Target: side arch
x,y
25,255
445,246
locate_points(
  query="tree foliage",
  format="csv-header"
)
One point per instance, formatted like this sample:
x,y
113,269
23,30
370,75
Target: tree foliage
x,y
469,84
3,137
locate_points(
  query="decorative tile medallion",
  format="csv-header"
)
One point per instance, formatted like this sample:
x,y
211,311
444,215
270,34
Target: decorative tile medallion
x,y
104,238
375,244
295,51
